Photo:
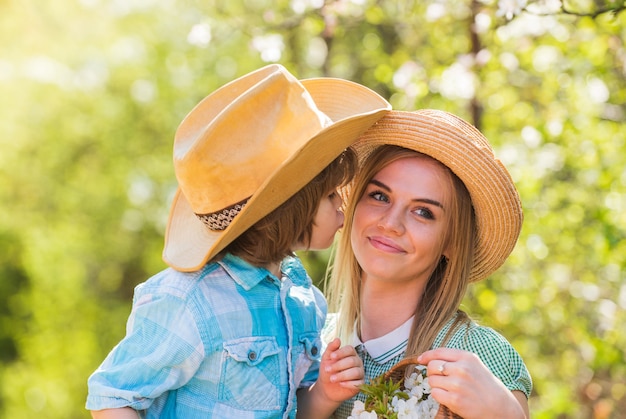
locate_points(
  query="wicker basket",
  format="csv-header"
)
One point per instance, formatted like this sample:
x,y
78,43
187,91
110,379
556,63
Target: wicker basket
x,y
397,374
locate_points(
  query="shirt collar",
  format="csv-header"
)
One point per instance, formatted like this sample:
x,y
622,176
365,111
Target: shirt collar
x,y
248,276
386,347
242,272
292,268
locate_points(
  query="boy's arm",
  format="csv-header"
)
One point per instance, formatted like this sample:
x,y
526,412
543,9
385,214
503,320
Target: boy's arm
x,y
341,374
121,413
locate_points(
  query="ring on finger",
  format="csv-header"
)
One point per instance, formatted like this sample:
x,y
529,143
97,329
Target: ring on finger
x,y
442,368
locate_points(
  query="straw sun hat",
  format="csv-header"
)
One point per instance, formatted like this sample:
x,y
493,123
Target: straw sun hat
x,y
467,153
249,146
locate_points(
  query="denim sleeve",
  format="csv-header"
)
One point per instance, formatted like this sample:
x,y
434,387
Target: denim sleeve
x,y
320,320
162,350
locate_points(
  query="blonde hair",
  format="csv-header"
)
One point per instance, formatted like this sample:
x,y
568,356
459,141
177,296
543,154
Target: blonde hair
x,y
448,282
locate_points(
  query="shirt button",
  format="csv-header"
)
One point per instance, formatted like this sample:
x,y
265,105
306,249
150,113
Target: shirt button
x,y
314,350
251,355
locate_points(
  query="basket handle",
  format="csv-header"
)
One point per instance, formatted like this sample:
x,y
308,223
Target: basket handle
x,y
400,366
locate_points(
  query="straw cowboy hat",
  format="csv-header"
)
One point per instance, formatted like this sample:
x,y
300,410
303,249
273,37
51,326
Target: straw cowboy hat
x,y
467,153
249,146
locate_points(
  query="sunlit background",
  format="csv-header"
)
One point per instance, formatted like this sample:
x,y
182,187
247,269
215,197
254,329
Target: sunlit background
x,y
91,93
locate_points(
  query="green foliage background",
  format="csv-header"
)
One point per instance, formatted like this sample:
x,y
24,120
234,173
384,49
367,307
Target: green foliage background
x,y
92,92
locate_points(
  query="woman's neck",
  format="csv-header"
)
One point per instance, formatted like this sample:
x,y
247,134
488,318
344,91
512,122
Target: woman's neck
x,y
386,306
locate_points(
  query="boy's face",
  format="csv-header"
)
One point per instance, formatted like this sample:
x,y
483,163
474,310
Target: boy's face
x,y
328,219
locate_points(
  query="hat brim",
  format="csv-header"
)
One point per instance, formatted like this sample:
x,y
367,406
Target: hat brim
x,y
467,153
189,244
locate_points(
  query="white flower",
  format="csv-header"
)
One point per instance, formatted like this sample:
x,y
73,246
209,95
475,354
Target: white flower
x,y
417,383
417,392
418,405
358,412
406,409
429,408
413,380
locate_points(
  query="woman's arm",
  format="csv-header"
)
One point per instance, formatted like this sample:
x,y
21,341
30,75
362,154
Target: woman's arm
x,y
122,413
523,401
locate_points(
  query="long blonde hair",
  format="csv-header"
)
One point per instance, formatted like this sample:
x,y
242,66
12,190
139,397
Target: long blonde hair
x,y
448,282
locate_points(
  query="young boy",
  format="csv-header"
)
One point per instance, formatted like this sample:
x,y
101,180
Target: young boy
x,y
232,328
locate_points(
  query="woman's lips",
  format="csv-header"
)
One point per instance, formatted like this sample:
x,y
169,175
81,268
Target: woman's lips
x,y
384,244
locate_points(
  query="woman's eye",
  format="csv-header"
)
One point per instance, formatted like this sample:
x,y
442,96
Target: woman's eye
x,y
378,196
425,213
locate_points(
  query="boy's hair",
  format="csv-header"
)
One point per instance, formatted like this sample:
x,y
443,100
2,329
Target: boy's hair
x,y
273,238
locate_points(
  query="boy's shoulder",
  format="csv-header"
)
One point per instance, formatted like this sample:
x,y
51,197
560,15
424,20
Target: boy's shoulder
x,y
171,281
292,267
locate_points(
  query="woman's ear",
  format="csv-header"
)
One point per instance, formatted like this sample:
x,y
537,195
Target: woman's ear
x,y
446,252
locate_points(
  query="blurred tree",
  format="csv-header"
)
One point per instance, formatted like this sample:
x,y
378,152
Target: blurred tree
x,y
92,93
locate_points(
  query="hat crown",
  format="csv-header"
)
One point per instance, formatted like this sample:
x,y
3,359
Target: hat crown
x,y
235,138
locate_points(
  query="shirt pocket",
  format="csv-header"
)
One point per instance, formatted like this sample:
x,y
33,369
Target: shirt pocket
x,y
251,373
308,359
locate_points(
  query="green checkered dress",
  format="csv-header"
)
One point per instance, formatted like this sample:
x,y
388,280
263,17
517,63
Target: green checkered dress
x,y
491,347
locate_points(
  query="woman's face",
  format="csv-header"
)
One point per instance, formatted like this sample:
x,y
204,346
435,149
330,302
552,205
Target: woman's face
x,y
400,221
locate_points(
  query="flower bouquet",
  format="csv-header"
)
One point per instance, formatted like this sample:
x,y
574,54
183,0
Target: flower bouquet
x,y
395,396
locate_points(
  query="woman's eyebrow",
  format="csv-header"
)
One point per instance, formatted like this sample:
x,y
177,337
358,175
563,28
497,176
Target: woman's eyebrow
x,y
430,201
380,184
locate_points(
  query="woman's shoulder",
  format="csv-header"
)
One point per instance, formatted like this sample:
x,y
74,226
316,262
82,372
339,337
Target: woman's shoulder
x,y
468,335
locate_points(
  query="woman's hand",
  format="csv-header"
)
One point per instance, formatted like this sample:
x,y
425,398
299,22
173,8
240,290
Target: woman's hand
x,y
460,381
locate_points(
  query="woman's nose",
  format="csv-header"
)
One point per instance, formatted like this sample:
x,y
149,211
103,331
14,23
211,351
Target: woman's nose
x,y
391,220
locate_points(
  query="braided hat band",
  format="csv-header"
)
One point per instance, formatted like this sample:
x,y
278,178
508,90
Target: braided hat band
x,y
218,221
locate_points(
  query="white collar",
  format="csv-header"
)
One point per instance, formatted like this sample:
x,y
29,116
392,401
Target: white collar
x,y
388,346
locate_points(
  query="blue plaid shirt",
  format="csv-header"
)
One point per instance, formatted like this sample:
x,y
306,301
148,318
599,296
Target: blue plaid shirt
x,y
229,341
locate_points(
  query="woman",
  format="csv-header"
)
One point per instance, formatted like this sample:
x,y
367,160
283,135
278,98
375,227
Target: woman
x,y
431,211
